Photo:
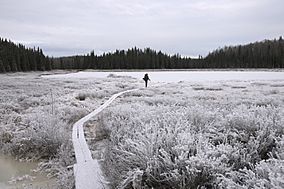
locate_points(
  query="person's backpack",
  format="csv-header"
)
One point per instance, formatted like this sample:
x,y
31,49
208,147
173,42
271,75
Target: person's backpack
x,y
146,78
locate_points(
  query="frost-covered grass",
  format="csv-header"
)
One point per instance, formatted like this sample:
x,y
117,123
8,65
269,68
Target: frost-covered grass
x,y
37,114
197,135
180,135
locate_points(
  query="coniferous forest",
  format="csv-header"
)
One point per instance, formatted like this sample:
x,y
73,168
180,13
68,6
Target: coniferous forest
x,y
264,54
16,57
120,59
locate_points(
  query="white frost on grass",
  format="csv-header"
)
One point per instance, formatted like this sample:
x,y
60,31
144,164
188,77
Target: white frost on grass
x,y
37,114
178,136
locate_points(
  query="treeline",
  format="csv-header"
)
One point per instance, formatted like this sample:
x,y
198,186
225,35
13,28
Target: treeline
x,y
16,57
264,54
120,59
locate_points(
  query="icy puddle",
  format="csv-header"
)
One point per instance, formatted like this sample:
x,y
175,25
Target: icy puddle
x,y
11,170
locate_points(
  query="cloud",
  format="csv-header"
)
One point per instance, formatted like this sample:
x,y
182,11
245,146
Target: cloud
x,y
189,27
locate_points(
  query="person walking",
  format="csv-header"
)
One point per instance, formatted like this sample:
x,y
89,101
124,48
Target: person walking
x,y
146,79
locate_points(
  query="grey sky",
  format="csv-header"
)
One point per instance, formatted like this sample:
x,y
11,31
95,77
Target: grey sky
x,y
188,27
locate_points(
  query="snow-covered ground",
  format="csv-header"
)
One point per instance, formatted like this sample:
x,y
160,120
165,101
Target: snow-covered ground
x,y
37,114
197,135
176,76
179,134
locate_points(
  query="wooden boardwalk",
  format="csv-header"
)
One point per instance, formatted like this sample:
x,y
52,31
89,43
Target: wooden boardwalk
x,y
87,171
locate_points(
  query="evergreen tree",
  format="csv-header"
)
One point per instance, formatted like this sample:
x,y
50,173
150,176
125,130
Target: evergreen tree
x,y
19,58
2,67
264,54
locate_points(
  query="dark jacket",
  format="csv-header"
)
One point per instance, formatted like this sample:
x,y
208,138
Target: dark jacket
x,y
146,77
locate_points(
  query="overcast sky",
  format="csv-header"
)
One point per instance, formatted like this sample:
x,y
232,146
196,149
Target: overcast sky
x,y
188,27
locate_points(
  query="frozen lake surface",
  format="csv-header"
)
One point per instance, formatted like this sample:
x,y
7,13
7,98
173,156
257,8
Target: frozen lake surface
x,y
176,76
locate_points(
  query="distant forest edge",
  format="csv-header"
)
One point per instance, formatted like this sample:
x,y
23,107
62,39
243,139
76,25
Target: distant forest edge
x,y
16,57
264,54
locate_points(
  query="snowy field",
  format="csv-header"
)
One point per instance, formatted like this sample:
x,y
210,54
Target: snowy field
x,y
227,133
36,118
197,135
176,76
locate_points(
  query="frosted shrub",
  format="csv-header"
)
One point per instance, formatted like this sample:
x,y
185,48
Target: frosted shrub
x,y
36,117
71,114
270,173
160,150
46,138
267,174
61,166
203,140
101,132
81,96
42,137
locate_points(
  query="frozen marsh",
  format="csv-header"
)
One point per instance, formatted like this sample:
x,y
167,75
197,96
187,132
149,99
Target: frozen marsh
x,y
195,135
176,76
227,133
